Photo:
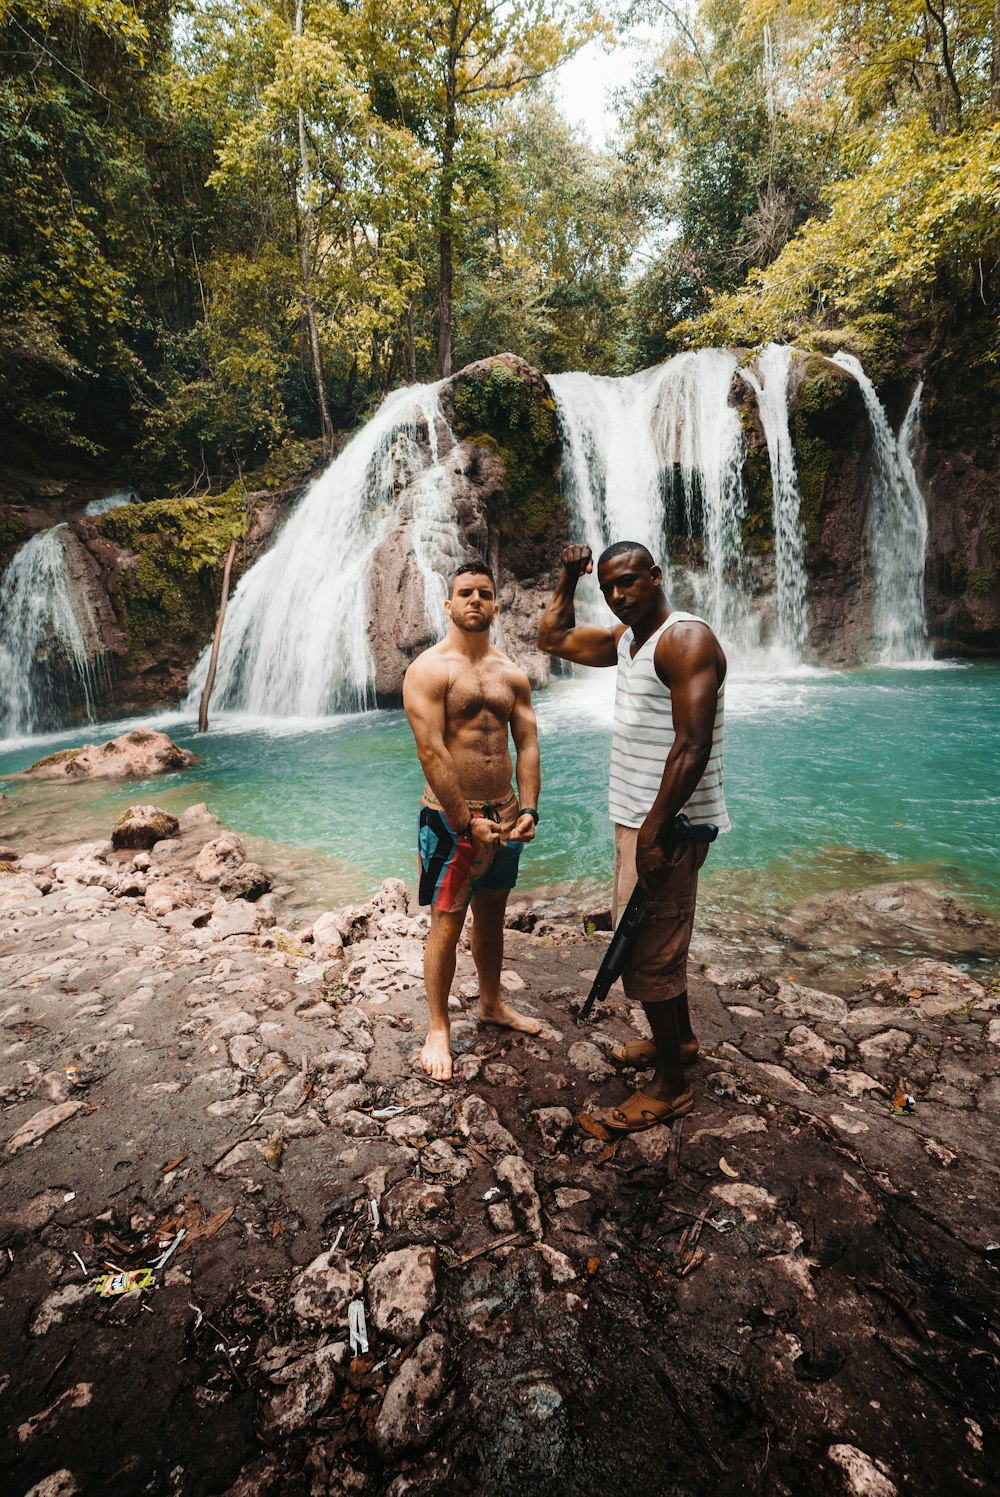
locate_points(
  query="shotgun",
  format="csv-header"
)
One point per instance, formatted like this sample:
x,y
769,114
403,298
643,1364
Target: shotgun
x,y
681,832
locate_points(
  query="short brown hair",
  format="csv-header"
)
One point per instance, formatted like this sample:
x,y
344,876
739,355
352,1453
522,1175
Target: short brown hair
x,y
473,567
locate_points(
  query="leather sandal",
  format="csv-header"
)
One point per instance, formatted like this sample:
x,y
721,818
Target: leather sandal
x,y
636,1115
642,1053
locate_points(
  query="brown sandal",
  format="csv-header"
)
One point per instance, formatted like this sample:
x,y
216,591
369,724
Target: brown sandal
x,y
636,1115
642,1053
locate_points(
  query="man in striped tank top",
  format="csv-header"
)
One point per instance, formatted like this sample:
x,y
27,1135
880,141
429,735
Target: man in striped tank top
x,y
666,757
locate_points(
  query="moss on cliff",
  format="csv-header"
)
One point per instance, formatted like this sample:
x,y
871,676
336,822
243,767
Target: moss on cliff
x,y
506,406
13,533
825,410
169,593
757,526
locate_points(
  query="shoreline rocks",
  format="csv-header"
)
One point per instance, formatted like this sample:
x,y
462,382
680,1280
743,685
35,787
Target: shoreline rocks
x,y
134,755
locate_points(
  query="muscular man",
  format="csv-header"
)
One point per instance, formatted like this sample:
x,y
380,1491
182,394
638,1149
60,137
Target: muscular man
x,y
460,696
666,757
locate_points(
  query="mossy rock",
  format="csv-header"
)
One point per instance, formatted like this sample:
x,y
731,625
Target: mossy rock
x,y
61,756
14,531
505,405
142,826
171,592
827,407
757,525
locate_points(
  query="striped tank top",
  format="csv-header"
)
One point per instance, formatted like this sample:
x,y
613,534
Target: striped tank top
x,y
644,733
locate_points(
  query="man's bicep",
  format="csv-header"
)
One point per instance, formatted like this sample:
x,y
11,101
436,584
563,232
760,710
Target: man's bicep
x,y
523,723
693,701
586,644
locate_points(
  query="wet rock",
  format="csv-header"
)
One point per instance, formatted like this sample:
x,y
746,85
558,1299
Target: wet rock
x,y
410,1415
247,881
402,1290
518,1176
561,1270
478,1120
322,1291
142,826
553,1123
444,1163
932,988
197,815
223,854
135,755
80,1396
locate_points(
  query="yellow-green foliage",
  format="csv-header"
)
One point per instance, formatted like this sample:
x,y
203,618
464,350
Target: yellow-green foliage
x,y
179,546
515,416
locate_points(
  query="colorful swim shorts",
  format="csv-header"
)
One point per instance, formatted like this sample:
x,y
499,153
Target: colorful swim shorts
x,y
453,868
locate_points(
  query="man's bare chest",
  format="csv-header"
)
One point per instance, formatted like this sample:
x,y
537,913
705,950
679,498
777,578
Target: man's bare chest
x,y
480,696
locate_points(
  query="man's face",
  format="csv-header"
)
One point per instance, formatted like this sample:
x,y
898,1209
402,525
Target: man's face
x,y
472,606
631,587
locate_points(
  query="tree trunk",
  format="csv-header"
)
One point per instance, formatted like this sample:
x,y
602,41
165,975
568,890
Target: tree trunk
x,y
216,641
446,270
305,242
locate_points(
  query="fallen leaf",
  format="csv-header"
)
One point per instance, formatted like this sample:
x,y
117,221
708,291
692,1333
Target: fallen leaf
x,y
727,1169
166,1168
593,1264
273,1152
915,993
215,1222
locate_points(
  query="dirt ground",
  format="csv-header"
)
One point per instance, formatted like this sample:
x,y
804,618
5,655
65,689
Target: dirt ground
x,y
794,1291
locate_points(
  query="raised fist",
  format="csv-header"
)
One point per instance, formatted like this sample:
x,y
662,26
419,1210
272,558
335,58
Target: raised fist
x,y
577,560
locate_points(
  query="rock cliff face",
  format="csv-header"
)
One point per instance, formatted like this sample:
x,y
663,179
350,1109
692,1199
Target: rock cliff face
x,y
148,574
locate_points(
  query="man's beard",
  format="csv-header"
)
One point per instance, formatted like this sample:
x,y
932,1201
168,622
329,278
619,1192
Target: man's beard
x,y
473,626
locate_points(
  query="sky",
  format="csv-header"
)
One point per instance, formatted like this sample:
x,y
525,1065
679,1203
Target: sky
x,y
584,87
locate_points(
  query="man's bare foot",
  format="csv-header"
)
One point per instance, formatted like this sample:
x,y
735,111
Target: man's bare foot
x,y
435,1057
508,1018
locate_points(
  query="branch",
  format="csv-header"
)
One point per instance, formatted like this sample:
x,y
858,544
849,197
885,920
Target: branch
x,y
946,54
683,26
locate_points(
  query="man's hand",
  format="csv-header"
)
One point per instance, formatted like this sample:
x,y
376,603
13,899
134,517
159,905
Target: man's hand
x,y
577,560
524,829
483,832
653,862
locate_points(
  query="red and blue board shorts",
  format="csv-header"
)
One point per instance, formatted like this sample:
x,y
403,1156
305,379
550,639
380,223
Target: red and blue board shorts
x,y
453,868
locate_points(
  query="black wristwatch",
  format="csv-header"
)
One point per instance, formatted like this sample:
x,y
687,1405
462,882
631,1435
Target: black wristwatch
x,y
529,811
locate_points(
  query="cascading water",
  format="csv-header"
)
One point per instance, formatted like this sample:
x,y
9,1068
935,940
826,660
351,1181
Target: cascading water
x,y
655,449
897,526
117,500
45,665
295,641
770,385
437,547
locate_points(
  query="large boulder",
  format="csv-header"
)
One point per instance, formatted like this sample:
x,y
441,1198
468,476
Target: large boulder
x,y
133,756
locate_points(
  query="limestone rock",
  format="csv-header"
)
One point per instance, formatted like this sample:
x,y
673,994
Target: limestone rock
x,y
309,1383
518,1176
219,856
328,941
414,1201
402,1289
932,988
410,1411
43,1122
234,919
861,1475
553,1124
322,1291
248,881
587,1058
135,755
795,1001
142,826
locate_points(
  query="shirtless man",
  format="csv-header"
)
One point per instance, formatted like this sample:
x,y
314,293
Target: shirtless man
x,y
666,757
460,697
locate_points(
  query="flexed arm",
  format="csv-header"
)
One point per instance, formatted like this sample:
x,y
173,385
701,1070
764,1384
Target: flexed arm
x,y
424,687
559,633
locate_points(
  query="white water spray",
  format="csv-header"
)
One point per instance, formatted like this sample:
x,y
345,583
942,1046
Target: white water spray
x,y
770,384
897,527
295,641
45,665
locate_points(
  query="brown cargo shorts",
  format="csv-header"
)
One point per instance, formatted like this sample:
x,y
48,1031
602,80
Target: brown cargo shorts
x,y
657,965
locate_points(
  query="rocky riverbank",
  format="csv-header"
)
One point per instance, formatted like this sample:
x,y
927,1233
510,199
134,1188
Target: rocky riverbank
x,y
794,1291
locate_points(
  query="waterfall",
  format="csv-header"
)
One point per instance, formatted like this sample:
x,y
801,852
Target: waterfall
x,y
770,384
437,548
45,664
897,527
654,450
295,641
111,501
